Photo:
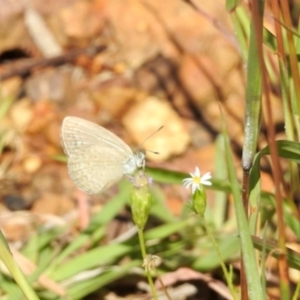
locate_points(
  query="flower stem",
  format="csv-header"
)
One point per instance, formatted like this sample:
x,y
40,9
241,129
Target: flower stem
x,y
143,250
225,271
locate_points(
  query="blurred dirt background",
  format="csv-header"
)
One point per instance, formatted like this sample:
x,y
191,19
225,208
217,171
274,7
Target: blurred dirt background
x,y
130,66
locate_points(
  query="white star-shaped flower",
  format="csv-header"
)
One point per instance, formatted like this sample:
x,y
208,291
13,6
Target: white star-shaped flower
x,y
196,180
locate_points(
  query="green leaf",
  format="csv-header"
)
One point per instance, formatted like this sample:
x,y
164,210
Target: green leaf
x,y
272,247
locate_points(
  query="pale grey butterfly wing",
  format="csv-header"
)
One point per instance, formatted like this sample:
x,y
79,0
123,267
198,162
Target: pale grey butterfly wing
x,y
96,156
77,133
95,168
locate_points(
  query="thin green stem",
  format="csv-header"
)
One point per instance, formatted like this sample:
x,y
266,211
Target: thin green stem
x,y
225,271
144,254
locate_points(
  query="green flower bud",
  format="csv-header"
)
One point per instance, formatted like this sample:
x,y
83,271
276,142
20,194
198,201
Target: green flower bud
x,y
140,200
199,201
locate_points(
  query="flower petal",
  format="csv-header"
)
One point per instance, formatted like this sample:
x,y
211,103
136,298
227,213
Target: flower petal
x,y
197,172
187,184
186,180
195,187
206,176
205,179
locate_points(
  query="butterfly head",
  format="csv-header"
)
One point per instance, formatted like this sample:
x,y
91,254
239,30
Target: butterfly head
x,y
135,162
140,157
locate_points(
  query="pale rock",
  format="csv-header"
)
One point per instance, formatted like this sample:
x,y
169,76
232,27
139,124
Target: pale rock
x,y
146,117
10,88
31,164
16,227
52,203
48,84
21,114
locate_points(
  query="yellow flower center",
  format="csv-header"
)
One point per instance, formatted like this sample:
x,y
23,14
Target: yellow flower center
x,y
196,180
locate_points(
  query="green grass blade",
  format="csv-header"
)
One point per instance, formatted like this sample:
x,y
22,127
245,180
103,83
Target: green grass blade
x,y
7,258
252,274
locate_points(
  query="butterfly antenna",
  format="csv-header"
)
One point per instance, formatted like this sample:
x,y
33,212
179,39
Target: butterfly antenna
x,y
155,152
156,131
